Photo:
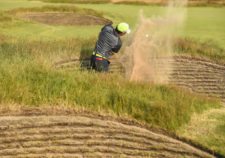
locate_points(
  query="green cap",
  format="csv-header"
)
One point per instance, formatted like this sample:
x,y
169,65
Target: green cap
x,y
123,27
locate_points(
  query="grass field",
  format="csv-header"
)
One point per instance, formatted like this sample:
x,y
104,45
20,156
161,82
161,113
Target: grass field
x,y
203,23
207,128
29,49
27,78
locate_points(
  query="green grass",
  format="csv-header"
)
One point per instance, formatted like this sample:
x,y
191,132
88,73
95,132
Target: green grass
x,y
28,51
61,8
206,24
5,18
35,31
202,24
17,28
77,1
12,26
217,3
11,4
207,49
29,78
207,128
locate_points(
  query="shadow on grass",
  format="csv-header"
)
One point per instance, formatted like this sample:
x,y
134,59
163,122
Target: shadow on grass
x,y
85,55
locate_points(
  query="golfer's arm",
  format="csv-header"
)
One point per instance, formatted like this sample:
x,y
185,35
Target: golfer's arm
x,y
116,47
114,43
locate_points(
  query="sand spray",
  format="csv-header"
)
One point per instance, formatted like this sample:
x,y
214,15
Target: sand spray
x,y
145,57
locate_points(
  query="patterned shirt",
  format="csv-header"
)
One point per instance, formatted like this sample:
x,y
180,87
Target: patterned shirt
x,y
108,42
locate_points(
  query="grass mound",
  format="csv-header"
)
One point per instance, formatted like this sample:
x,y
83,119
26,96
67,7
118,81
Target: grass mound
x,y
5,18
142,2
77,1
65,19
28,78
165,2
207,128
61,8
61,15
57,131
2,38
206,49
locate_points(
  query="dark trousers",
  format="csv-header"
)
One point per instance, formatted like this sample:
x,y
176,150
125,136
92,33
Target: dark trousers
x,y
99,64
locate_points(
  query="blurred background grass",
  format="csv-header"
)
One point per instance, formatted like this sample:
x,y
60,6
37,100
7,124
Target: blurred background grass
x,y
202,23
28,51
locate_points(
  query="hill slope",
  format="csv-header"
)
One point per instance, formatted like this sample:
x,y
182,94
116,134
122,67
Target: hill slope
x,y
68,134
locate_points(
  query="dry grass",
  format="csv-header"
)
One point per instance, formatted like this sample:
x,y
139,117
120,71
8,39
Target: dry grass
x,y
206,49
207,128
142,2
78,1
27,77
165,2
61,8
3,38
5,18
83,134
66,19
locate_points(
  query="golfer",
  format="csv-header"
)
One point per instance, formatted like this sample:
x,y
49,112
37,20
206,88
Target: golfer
x,y
108,43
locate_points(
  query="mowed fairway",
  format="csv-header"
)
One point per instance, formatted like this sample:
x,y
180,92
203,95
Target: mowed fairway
x,y
202,23
40,65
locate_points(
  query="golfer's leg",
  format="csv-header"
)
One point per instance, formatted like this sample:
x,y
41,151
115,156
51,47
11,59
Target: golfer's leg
x,y
106,65
102,65
92,62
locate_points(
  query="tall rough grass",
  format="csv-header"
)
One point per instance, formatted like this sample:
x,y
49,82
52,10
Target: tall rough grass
x,y
165,2
207,128
27,77
3,38
206,49
5,18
